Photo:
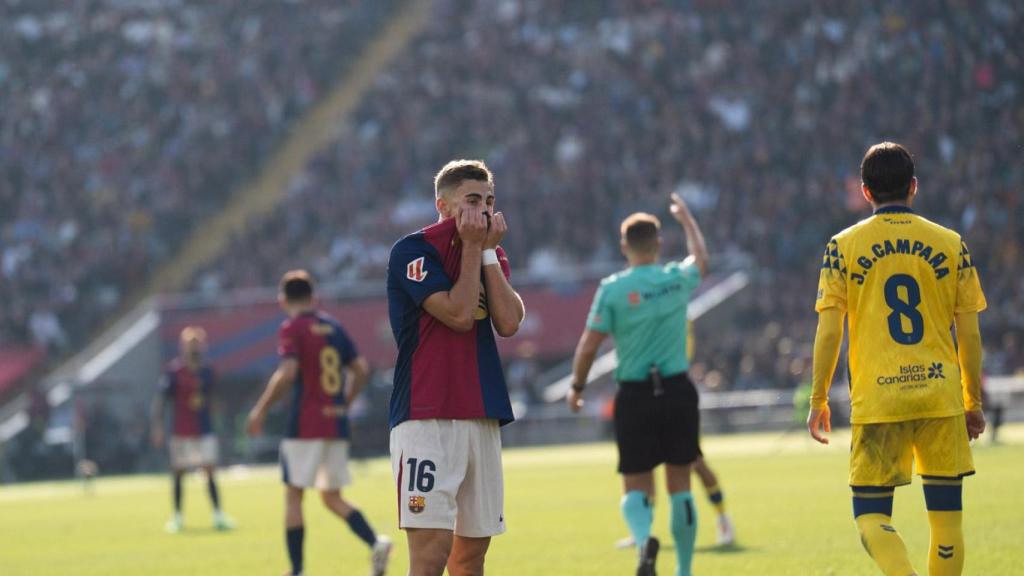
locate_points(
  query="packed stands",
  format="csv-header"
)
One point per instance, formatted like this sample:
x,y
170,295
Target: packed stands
x,y
757,112
126,123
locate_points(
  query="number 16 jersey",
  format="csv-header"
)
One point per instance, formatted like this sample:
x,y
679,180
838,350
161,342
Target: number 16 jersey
x,y
900,279
322,348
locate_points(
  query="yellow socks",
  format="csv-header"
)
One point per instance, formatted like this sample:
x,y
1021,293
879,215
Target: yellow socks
x,y
872,511
884,544
943,496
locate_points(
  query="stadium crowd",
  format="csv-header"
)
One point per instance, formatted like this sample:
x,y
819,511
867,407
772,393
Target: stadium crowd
x,y
126,123
757,112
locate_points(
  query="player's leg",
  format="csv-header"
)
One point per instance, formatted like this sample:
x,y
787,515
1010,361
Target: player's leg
x,y
178,460
429,549
428,461
467,556
480,499
726,534
221,521
300,461
345,510
880,460
176,523
294,527
334,475
943,457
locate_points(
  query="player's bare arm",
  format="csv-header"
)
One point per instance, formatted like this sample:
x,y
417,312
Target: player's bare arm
x,y
586,352
504,304
968,336
827,342
280,382
358,376
694,237
455,307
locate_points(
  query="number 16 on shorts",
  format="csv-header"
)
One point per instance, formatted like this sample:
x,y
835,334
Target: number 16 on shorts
x,y
421,479
448,475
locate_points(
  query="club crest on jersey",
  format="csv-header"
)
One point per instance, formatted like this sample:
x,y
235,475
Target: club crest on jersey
x,y
414,271
417,504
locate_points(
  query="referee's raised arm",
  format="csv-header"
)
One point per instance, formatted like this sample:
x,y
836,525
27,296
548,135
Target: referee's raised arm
x,y
694,237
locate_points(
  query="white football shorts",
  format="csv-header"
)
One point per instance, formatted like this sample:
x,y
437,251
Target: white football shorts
x,y
193,451
315,463
449,476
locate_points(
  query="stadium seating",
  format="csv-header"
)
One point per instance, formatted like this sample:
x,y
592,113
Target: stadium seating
x,y
758,113
127,123
132,121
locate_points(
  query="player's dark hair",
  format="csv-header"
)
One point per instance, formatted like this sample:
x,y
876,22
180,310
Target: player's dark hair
x,y
640,232
887,170
456,172
297,287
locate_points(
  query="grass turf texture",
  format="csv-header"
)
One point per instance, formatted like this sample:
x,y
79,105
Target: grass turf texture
x,y
788,499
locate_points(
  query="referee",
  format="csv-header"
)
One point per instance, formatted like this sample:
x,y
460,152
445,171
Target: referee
x,y
656,417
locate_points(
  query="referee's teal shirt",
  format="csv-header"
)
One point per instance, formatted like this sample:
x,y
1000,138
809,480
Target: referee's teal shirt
x,y
644,310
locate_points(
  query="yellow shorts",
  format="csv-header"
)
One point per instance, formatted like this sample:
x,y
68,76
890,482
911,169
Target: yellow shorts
x,y
882,454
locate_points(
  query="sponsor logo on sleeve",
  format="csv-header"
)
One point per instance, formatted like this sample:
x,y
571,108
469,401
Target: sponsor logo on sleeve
x,y
414,271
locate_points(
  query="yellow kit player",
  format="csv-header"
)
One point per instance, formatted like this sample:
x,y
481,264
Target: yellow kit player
x,y
903,283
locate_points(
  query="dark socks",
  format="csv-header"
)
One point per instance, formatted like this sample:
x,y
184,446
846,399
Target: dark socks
x,y
177,492
294,537
361,528
211,484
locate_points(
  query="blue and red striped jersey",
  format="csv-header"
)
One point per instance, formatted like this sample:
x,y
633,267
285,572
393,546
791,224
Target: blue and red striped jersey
x,y
189,392
440,373
322,348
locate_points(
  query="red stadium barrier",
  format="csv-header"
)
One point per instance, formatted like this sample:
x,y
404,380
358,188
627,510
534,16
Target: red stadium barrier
x,y
243,338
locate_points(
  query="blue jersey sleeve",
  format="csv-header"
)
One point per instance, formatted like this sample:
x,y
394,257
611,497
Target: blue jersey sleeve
x,y
346,347
416,267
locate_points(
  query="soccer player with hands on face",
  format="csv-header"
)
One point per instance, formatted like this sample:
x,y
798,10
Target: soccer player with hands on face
x,y
448,293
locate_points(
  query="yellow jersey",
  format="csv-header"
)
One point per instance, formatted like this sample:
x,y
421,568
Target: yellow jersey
x,y
900,279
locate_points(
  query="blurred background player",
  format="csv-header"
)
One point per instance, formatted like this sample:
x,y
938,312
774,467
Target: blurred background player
x,y
315,452
903,281
447,287
187,384
657,420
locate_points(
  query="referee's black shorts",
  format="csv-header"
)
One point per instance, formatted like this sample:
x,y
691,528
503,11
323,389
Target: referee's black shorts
x,y
652,430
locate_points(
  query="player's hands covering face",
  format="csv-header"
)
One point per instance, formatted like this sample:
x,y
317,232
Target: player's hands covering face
x,y
472,227
496,231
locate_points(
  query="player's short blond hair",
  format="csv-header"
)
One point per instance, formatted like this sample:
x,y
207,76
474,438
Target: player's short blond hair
x,y
456,172
640,231
190,333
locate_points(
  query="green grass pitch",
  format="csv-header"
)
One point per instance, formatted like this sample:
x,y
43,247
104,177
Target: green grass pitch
x,y
788,499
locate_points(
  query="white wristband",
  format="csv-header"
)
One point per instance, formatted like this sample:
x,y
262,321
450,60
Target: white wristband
x,y
490,256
